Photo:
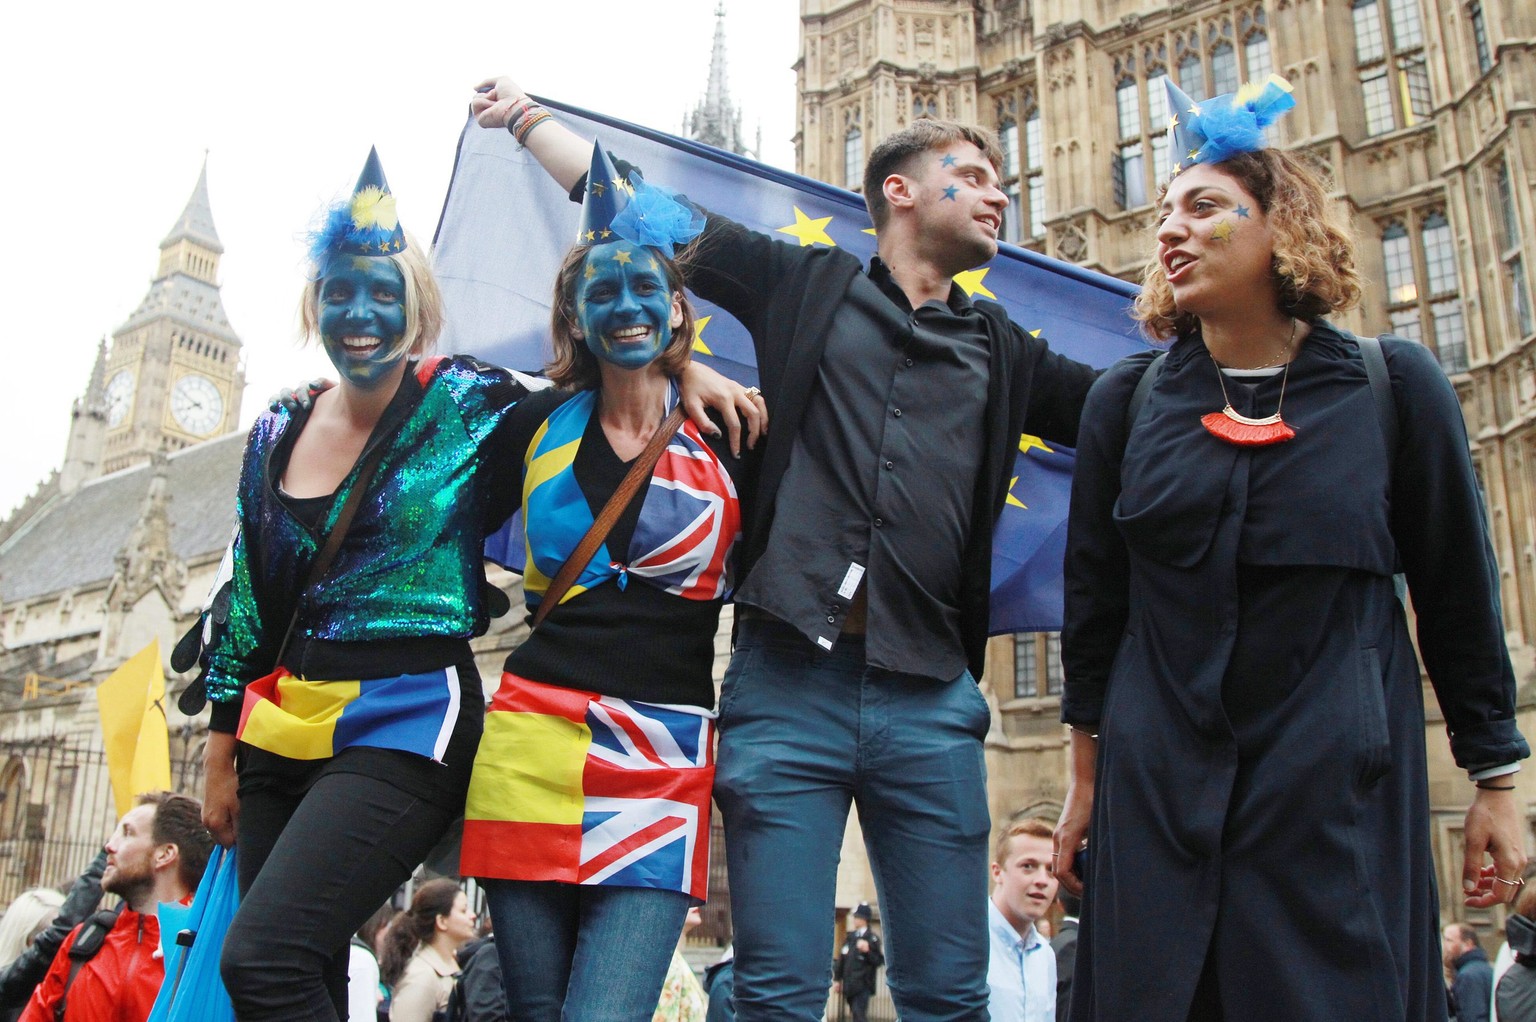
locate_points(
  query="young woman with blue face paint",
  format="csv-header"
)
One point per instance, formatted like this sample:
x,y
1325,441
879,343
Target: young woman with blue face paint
x,y
604,874
354,755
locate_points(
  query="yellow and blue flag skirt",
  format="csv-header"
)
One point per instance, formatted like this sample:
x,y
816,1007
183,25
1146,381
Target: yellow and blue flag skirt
x,y
305,719
584,788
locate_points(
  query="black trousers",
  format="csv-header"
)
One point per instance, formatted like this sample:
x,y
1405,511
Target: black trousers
x,y
321,845
313,868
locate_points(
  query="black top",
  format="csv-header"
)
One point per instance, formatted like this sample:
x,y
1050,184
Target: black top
x,y
882,478
637,642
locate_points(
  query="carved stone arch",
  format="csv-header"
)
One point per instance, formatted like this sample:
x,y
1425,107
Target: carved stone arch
x,y
15,783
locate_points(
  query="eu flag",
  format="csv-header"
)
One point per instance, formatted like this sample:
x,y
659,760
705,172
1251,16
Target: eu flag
x,y
506,224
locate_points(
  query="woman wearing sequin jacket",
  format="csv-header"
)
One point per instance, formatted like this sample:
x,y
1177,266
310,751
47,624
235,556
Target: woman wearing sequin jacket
x,y
345,765
1247,741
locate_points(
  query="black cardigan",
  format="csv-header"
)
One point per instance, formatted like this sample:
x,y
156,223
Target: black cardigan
x,y
787,297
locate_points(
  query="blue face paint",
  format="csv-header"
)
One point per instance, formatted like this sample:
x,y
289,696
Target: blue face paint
x,y
362,317
623,304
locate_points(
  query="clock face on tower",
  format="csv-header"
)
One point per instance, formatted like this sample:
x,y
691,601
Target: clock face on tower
x,y
119,397
196,404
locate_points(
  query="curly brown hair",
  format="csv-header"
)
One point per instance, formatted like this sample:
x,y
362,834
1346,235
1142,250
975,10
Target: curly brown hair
x,y
1314,259
574,367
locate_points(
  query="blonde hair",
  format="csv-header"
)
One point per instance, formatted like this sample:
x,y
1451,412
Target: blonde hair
x,y
1313,265
1019,825
29,913
422,299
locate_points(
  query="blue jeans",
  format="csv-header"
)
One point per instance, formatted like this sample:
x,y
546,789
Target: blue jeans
x,y
804,734
583,953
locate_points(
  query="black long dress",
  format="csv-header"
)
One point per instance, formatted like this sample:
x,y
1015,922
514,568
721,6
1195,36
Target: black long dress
x,y
1232,633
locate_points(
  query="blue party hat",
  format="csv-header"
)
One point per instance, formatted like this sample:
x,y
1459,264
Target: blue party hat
x,y
1221,128
634,211
606,197
365,224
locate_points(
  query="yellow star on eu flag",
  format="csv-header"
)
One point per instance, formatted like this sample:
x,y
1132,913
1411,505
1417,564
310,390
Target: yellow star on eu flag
x,y
1173,122
598,188
622,256
1028,443
1015,501
971,283
809,231
698,335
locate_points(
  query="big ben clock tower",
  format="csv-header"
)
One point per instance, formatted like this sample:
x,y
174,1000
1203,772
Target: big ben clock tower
x,y
174,376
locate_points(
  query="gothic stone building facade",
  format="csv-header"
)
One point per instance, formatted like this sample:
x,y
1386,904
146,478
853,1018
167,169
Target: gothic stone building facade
x,y
1422,114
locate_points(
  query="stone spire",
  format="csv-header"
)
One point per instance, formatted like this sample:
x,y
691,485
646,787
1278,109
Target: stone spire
x,y
147,560
715,121
87,428
196,221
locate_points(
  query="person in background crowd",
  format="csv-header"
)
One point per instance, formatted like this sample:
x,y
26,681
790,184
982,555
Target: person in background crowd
x,y
479,991
21,977
365,992
719,981
1471,975
1247,709
24,919
157,854
1514,992
682,997
858,963
420,950
1064,946
1021,975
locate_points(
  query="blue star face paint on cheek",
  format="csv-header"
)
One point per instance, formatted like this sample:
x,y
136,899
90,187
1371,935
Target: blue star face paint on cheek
x,y
623,305
362,317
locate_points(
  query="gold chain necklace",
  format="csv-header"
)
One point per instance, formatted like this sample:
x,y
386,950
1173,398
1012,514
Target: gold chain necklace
x,y
1242,430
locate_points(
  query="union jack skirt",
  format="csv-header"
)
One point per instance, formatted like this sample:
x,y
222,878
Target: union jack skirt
x,y
588,789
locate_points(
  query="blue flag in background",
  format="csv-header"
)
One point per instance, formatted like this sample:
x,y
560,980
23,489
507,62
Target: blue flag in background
x,y
506,225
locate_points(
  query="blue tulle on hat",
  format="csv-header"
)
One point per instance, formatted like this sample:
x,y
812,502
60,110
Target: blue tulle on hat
x,y
365,223
658,218
1221,128
639,213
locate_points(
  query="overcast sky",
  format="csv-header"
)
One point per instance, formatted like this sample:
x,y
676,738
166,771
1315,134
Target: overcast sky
x,y
108,108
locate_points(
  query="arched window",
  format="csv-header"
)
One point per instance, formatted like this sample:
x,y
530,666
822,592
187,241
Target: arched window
x,y
1192,77
853,159
1223,69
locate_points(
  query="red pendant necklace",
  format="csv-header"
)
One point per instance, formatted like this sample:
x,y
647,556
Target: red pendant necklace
x,y
1242,430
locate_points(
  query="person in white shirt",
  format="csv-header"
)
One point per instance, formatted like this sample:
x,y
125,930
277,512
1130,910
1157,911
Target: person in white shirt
x,y
1021,975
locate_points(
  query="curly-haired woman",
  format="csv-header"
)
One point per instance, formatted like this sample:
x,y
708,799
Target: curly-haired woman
x,y
1248,747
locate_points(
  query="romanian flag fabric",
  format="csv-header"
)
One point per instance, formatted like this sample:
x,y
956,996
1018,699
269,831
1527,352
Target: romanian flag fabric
x,y
303,719
689,515
582,788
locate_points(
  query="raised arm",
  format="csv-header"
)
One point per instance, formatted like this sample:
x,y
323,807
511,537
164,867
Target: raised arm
x,y
564,154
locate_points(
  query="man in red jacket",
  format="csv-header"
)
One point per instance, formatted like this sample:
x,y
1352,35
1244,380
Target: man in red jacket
x,y
157,853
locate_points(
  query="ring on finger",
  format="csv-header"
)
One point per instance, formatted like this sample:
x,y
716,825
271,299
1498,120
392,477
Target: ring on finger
x,y
753,392
1517,882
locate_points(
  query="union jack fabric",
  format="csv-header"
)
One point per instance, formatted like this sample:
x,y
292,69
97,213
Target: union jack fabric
x,y
588,789
689,515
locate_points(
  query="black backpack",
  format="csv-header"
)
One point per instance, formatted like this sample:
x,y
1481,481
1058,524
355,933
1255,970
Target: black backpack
x,y
88,943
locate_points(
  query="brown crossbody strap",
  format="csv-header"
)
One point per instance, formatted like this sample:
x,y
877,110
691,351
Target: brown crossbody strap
x,y
582,555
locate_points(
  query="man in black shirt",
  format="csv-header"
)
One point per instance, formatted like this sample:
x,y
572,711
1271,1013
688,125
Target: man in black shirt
x,y
896,409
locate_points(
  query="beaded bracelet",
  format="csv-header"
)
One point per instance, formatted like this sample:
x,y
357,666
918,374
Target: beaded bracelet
x,y
533,118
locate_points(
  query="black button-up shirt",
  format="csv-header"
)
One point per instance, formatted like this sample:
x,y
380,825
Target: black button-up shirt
x,y
881,480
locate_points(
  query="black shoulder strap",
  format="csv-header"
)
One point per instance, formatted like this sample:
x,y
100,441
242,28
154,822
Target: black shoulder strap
x,y
1381,389
93,934
1143,391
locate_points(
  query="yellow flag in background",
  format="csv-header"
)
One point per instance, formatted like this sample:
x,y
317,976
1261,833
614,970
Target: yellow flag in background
x,y
133,727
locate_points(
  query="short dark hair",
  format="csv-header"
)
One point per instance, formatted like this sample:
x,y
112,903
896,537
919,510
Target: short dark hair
x,y
1467,934
179,822
895,153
